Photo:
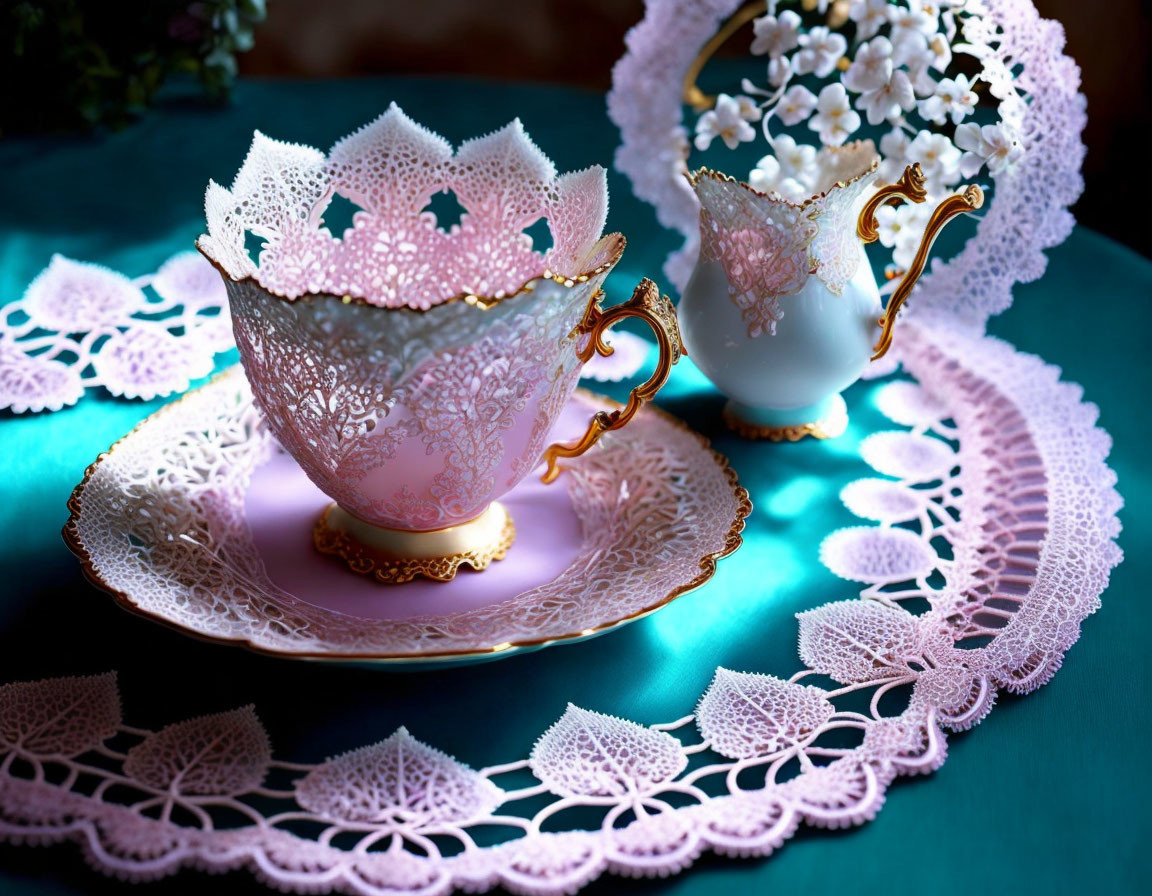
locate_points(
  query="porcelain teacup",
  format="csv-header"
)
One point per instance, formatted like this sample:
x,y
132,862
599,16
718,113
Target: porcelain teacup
x,y
415,373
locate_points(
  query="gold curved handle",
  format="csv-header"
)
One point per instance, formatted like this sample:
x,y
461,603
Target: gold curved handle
x,y
655,310
691,93
911,187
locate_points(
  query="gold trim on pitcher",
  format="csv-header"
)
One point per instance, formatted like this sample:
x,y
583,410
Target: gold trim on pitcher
x,y
829,427
855,146
911,187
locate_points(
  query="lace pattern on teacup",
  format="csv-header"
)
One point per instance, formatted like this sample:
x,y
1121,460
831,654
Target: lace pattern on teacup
x,y
395,254
346,390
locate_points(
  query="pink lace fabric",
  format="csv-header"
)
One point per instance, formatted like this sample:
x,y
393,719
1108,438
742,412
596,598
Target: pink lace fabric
x,y
394,254
81,325
1028,211
992,454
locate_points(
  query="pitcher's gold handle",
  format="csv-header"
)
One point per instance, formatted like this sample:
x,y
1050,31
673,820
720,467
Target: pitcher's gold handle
x,y
655,310
911,187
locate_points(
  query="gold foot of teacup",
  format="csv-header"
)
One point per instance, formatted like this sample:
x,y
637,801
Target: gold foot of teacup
x,y
825,420
394,556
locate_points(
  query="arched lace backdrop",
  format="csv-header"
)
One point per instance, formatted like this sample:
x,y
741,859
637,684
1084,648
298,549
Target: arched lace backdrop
x,y
993,455
906,81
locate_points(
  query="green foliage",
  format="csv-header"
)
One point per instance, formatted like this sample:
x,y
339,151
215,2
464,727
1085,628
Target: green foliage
x,y
79,64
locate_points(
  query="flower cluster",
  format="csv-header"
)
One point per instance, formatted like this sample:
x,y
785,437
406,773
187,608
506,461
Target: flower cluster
x,y
897,72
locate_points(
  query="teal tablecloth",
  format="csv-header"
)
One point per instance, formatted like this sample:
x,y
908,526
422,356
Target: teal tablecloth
x,y
1049,794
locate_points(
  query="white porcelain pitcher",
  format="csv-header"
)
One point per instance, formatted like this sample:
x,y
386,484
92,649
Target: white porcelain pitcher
x,y
782,310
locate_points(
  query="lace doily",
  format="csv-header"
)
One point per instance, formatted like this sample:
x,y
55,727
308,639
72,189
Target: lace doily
x,y
992,506
1035,168
395,254
82,325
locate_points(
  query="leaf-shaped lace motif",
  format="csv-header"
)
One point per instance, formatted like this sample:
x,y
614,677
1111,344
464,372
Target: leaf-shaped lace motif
x,y
592,754
399,779
577,212
858,640
279,186
877,555
743,714
224,753
71,296
59,716
499,178
391,167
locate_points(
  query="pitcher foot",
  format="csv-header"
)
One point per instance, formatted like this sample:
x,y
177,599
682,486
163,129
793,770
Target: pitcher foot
x,y
826,419
394,556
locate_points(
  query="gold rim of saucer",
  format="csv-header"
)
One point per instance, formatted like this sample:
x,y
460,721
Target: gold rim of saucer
x,y
479,543
733,539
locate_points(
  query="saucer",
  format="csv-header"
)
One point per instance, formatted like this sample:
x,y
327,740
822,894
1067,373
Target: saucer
x,y
197,519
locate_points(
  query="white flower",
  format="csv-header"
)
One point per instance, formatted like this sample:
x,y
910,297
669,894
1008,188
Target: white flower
x,y
890,101
910,49
954,97
776,35
749,110
768,177
994,144
938,157
834,119
796,105
797,160
894,155
889,224
918,15
822,49
941,47
779,71
726,122
901,229
765,175
872,67
869,16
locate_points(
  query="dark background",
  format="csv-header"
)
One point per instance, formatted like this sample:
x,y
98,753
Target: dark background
x,y
577,41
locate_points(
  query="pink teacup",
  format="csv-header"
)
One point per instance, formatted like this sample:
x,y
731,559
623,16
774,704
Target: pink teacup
x,y
413,372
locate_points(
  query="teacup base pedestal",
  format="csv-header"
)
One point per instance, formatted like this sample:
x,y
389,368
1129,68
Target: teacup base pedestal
x,y
395,556
826,419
